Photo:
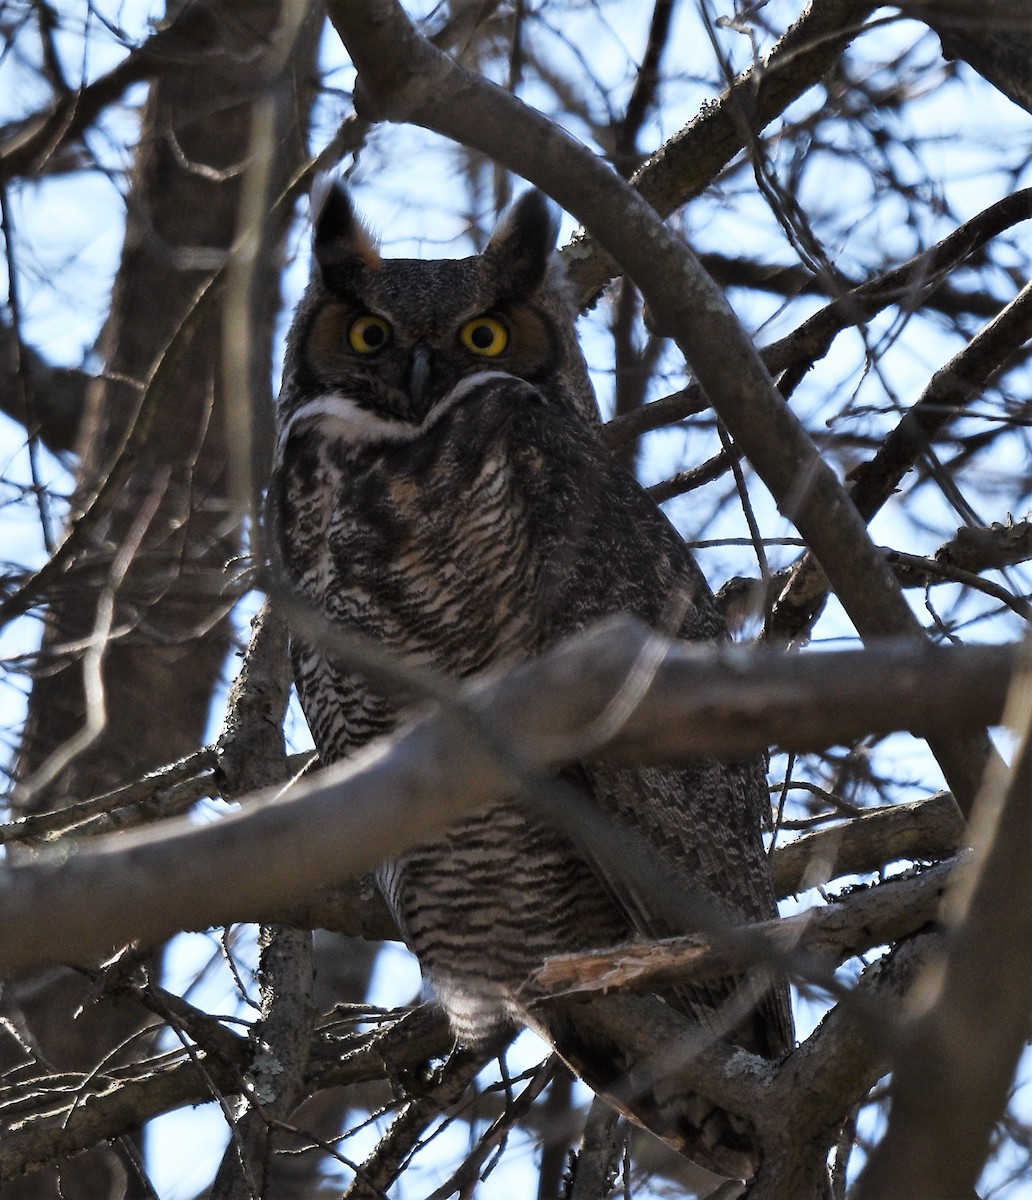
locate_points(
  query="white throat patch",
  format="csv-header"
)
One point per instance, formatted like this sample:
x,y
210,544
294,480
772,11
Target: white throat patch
x,y
338,416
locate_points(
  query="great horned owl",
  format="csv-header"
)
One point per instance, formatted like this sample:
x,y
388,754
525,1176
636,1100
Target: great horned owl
x,y
442,487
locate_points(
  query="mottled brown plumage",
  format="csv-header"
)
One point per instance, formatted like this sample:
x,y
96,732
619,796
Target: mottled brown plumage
x,y
441,486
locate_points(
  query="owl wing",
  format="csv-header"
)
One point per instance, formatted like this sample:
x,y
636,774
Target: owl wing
x,y
705,876
612,550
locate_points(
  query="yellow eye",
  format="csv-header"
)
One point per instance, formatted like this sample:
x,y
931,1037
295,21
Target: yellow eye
x,y
368,334
484,335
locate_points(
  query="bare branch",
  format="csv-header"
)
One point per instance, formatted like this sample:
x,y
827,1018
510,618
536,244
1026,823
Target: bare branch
x,y
63,1124
831,1072
993,38
252,755
150,789
1002,544
58,393
399,792
41,142
45,1127
646,84
945,397
923,829
949,390
854,924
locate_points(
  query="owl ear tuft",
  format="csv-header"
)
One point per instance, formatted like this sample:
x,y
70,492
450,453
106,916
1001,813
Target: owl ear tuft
x,y
518,254
339,236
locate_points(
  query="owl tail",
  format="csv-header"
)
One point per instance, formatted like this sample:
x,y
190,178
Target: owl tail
x,y
638,1054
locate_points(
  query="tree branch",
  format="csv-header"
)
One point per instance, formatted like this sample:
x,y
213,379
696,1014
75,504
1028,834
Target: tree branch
x,y
58,393
831,933
252,755
55,1127
618,691
949,390
992,38
40,142
923,829
832,1072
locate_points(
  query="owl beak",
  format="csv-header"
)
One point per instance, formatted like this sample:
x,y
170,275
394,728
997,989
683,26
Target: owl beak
x,y
419,377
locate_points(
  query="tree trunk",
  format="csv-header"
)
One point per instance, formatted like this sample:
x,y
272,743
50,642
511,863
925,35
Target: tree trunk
x,y
171,521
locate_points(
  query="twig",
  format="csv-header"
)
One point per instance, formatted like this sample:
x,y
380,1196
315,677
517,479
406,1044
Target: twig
x,y
145,789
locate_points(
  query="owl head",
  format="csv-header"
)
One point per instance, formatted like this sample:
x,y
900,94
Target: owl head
x,y
391,338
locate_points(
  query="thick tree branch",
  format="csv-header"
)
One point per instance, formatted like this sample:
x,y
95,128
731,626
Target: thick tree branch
x,y
832,1072
922,829
990,37
919,831
1002,544
971,550
58,393
251,756
618,691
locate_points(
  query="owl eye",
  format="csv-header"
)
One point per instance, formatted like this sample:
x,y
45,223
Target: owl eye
x,y
368,334
484,335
